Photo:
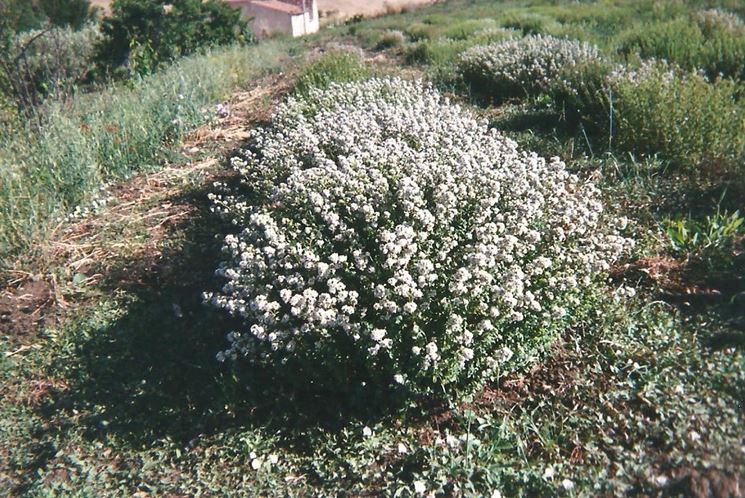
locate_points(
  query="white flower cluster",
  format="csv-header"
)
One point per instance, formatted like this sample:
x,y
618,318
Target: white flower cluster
x,y
523,66
381,224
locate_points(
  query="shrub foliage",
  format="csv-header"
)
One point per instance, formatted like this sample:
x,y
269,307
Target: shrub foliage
x,y
144,33
714,42
45,63
692,121
386,236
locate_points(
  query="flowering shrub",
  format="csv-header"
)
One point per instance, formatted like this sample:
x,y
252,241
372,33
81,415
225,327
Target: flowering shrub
x,y
522,67
385,235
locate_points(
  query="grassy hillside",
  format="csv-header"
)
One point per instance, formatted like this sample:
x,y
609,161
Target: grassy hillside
x,y
109,231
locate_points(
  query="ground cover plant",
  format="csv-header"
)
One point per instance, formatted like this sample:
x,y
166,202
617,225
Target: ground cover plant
x,y
111,382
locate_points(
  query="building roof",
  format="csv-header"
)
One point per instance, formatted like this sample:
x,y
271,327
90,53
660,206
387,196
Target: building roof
x,y
277,5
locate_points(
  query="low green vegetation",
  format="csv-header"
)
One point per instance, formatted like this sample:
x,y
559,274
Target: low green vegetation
x,y
335,66
713,44
520,276
50,169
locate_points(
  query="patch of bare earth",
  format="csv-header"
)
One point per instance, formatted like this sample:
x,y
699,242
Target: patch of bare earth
x,y
332,11
89,247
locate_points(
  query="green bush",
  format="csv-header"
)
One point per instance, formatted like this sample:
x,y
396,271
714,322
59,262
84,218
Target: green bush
x,y
334,66
466,29
695,123
683,42
146,33
39,64
420,31
103,136
435,52
390,39
580,94
488,36
17,16
68,13
714,21
531,23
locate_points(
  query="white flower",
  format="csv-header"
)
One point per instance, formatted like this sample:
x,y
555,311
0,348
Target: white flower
x,y
399,379
402,448
548,473
256,463
567,484
367,432
496,494
373,207
530,63
377,335
420,487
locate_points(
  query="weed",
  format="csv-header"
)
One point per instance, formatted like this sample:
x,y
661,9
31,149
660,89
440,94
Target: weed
x,y
709,241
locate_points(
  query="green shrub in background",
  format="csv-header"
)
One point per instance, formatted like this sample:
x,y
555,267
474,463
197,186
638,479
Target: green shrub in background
x,y
463,30
710,44
421,31
39,64
390,39
99,137
146,33
531,23
334,66
435,52
580,94
695,123
68,13
714,21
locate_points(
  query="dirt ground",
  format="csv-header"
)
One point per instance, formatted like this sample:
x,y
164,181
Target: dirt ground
x,y
338,10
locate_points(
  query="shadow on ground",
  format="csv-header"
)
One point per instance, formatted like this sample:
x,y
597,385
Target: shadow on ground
x,y
152,373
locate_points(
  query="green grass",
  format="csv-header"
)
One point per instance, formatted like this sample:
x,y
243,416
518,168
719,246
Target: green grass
x,y
125,395
108,135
